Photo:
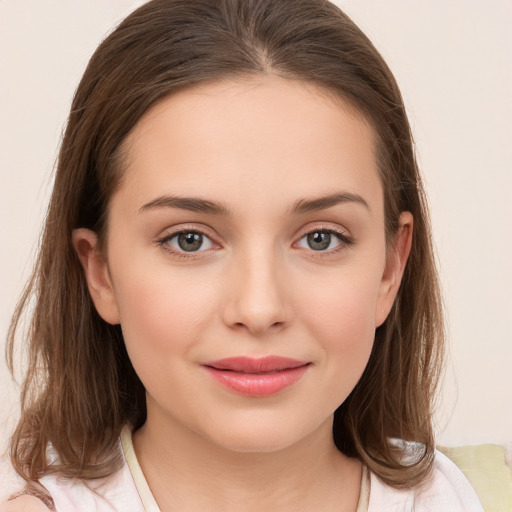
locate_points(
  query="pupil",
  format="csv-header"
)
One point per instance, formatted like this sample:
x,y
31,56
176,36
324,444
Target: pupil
x,y
190,241
319,241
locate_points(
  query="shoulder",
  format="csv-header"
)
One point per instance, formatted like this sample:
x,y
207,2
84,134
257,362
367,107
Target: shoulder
x,y
446,490
24,503
114,493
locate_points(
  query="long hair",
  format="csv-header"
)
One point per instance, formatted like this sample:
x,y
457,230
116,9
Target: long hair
x,y
80,387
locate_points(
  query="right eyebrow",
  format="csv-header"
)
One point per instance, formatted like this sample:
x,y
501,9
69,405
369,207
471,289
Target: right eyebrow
x,y
192,204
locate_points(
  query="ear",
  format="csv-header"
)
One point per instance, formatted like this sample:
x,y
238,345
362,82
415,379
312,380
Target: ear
x,y
96,273
395,266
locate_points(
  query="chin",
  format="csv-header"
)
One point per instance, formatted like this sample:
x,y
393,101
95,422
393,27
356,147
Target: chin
x,y
255,443
265,435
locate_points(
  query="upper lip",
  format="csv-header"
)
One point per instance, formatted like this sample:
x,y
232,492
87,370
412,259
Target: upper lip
x,y
255,365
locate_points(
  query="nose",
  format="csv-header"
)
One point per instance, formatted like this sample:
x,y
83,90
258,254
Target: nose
x,y
257,295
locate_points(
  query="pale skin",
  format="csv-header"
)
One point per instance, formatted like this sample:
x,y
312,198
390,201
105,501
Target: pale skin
x,y
262,151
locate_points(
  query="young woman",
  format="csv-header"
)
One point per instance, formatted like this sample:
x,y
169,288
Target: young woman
x,y
236,303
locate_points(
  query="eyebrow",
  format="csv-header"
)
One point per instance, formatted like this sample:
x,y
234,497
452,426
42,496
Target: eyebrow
x,y
322,203
192,204
196,204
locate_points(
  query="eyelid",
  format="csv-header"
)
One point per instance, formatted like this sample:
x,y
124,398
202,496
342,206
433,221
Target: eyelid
x,y
345,238
186,228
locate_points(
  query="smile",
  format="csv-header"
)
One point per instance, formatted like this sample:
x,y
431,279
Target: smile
x,y
256,377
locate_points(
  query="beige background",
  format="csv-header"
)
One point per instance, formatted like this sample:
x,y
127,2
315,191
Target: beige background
x,y
453,60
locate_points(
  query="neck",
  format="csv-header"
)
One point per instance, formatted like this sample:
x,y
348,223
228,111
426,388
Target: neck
x,y
185,471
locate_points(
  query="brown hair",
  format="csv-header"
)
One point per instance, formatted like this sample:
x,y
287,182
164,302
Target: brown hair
x,y
80,387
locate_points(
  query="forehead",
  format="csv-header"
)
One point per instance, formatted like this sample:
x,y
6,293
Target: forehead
x,y
262,139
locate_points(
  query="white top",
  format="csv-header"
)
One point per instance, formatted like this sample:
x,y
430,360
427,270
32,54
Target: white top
x,y
127,490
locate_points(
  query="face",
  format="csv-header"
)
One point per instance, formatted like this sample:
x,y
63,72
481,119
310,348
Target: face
x,y
246,260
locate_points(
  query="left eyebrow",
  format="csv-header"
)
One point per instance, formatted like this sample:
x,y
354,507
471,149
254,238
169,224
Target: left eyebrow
x,y
192,204
322,203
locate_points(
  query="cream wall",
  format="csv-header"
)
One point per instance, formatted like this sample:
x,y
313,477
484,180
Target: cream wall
x,y
453,60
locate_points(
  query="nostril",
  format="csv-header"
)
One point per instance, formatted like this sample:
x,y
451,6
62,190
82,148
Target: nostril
x,y
258,328
256,306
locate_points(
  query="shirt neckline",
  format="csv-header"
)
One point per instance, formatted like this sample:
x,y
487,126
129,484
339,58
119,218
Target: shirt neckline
x,y
148,500
146,496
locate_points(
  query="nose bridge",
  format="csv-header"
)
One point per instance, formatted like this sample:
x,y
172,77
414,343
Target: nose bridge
x,y
257,298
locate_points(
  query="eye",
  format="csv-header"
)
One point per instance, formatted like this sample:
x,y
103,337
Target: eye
x,y
323,240
188,241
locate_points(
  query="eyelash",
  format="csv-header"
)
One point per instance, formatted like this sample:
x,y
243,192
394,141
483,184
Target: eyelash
x,y
164,243
345,242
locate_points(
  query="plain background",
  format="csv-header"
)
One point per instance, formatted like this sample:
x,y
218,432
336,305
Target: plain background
x,y
453,61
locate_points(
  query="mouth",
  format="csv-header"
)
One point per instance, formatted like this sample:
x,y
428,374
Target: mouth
x,y
257,377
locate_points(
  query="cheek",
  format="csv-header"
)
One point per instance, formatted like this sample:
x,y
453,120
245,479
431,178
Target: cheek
x,y
162,310
343,305
342,322
340,316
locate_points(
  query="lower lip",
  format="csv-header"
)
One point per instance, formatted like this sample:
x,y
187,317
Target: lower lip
x,y
257,384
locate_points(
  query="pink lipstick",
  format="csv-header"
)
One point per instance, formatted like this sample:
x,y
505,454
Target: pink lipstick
x,y
256,377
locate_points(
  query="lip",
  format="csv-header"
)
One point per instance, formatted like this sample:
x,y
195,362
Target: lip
x,y
257,376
